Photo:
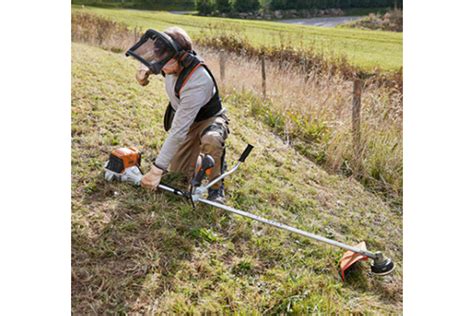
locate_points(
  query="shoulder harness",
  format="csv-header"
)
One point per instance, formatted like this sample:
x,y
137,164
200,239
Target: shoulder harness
x,y
190,63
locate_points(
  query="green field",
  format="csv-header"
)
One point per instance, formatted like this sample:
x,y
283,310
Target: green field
x,y
136,252
365,49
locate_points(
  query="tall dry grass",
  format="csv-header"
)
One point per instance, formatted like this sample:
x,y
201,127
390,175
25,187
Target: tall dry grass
x,y
315,116
91,29
308,103
390,21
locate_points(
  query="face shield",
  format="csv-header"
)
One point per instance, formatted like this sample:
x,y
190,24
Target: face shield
x,y
154,50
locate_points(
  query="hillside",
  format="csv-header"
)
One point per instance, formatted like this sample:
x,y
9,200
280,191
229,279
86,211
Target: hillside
x,y
368,50
136,251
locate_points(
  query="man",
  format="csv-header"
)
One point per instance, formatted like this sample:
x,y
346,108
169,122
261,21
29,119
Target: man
x,y
195,117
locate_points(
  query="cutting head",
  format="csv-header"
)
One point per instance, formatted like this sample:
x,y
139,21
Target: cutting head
x,y
381,265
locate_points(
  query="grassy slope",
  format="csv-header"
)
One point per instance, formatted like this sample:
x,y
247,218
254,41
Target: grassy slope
x,y
367,49
135,251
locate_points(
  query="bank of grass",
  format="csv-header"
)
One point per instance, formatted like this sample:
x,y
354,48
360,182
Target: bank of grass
x,y
367,50
309,109
151,253
313,114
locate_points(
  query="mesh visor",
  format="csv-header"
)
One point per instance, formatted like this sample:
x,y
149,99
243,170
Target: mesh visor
x,y
154,50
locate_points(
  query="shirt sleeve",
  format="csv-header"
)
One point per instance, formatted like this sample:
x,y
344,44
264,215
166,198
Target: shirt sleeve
x,y
194,95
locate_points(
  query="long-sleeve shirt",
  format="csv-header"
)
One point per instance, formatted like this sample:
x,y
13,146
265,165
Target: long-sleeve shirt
x,y
196,92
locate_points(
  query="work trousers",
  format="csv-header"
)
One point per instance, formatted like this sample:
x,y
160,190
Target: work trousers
x,y
204,137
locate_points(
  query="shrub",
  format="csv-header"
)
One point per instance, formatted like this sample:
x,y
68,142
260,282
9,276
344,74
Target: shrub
x,y
205,7
223,6
326,4
246,5
278,4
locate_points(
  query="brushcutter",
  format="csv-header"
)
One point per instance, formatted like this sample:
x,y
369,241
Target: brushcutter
x,y
124,165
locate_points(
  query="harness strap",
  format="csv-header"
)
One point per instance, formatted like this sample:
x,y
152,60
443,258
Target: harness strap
x,y
188,71
191,63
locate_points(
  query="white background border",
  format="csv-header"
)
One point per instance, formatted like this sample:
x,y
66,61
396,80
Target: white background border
x,y
35,157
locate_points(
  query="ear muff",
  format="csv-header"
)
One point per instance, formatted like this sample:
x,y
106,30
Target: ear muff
x,y
185,59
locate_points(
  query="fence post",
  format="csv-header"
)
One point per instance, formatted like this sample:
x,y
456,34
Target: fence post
x,y
356,134
305,70
264,76
222,64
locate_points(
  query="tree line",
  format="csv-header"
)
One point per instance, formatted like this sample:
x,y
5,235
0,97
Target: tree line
x,y
225,6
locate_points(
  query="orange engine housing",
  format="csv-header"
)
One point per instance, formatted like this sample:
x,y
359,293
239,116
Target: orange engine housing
x,y
123,158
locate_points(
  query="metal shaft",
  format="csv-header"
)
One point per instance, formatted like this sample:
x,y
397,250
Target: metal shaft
x,y
222,176
172,190
289,228
196,196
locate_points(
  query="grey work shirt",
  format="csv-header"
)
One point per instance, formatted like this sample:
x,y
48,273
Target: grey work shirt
x,y
196,92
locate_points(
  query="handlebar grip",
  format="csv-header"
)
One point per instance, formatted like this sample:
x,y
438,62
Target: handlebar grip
x,y
246,153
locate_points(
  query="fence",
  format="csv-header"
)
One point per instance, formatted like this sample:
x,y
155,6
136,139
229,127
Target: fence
x,y
356,104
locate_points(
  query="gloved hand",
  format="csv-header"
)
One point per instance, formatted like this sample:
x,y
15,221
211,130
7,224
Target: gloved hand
x,y
152,179
142,76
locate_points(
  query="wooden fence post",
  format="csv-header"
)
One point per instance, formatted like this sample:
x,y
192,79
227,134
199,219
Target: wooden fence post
x,y
222,64
305,70
356,134
264,76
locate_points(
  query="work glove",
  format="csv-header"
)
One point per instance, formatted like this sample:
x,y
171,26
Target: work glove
x,y
142,76
152,179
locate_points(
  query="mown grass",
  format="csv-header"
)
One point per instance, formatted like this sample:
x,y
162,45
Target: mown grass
x,y
151,253
367,50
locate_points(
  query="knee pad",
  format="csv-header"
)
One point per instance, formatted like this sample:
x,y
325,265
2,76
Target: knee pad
x,y
216,127
212,139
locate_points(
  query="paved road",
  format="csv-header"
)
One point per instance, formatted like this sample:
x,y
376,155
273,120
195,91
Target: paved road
x,y
181,12
324,22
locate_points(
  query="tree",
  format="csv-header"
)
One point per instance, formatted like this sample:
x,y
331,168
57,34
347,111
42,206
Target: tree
x,y
223,6
278,5
246,5
204,7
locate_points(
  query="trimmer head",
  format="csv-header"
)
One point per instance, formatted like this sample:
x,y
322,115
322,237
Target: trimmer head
x,y
382,266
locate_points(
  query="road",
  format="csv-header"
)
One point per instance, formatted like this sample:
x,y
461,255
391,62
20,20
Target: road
x,y
321,21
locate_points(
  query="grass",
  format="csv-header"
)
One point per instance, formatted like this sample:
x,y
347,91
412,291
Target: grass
x,y
313,114
307,106
151,253
368,50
